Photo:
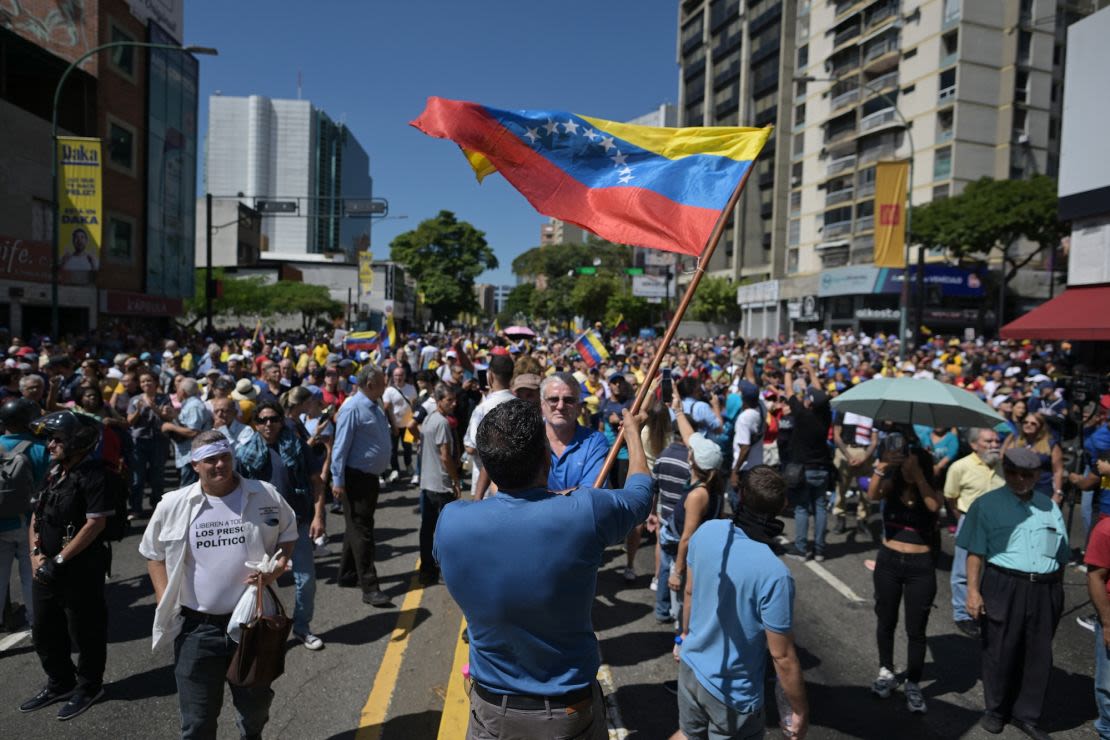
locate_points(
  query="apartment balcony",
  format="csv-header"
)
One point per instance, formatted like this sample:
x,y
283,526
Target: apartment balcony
x,y
841,165
839,196
866,190
882,56
876,153
864,224
842,134
942,169
947,60
944,135
837,228
878,119
951,17
845,98
846,8
846,36
947,96
881,16
845,67
882,83
834,253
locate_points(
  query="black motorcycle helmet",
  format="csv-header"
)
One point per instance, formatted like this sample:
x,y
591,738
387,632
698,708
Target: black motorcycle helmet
x,y
16,414
79,433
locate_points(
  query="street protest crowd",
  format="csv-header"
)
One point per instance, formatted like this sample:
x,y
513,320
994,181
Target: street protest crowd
x,y
225,454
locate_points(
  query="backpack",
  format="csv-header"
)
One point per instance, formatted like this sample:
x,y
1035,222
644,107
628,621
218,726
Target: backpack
x,y
118,493
17,481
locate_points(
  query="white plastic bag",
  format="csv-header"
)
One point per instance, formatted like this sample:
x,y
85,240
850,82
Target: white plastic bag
x,y
244,610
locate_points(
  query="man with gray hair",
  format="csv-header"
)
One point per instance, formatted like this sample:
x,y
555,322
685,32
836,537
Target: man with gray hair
x,y
968,479
32,387
193,418
577,453
359,455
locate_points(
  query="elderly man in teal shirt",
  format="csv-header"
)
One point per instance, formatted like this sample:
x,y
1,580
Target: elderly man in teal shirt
x,y
1021,539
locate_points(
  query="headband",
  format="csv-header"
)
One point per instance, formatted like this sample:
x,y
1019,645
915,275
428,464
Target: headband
x,y
221,447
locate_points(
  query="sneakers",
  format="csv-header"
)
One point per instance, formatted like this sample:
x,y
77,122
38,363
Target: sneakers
x,y
415,480
969,627
841,525
654,583
885,683
393,476
629,574
795,554
44,698
819,557
1088,622
309,640
78,704
915,701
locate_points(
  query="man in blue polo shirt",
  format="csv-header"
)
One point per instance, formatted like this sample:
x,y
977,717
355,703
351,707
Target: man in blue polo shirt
x,y
523,565
577,453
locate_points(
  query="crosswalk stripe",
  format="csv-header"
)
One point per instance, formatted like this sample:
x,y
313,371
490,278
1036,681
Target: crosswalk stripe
x,y
13,639
841,587
373,715
456,706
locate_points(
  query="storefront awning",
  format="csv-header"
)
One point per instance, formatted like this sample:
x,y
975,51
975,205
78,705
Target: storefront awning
x,y
1080,313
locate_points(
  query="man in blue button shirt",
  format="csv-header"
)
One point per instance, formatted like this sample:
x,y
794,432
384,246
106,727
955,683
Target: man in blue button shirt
x,y
359,455
522,565
577,453
1021,538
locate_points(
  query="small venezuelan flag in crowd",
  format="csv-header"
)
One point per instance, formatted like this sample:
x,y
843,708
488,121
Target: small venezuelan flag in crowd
x,y
662,188
592,350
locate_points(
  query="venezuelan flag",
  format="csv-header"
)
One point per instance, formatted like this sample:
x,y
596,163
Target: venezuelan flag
x,y
592,350
360,341
662,188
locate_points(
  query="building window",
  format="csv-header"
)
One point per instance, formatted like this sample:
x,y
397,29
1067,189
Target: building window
x,y
942,164
940,192
119,239
800,115
1021,86
1025,47
803,57
799,144
1021,117
121,146
791,261
794,232
692,31
122,58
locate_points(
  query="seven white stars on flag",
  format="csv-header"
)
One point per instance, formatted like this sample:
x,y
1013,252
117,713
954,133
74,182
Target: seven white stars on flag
x,y
571,128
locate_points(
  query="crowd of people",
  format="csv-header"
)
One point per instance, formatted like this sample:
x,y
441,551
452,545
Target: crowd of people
x,y
222,451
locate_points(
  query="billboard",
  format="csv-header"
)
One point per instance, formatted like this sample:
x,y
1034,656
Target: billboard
x,y
171,169
169,14
650,286
890,217
79,206
865,280
65,29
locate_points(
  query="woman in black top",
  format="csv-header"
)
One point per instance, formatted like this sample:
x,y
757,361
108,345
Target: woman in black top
x,y
905,570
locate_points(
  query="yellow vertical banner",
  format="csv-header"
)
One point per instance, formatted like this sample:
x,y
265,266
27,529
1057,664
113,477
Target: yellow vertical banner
x,y
79,205
890,213
365,272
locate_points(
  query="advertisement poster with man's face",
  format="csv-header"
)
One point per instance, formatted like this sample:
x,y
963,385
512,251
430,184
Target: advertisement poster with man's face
x,y
79,206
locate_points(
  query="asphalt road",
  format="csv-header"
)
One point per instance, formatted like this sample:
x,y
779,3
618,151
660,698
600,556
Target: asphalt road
x,y
386,673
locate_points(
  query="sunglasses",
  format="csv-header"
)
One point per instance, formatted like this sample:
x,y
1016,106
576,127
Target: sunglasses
x,y
567,400
269,420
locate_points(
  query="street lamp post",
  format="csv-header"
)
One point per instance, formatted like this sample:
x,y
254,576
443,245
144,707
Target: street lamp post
x,y
55,265
903,314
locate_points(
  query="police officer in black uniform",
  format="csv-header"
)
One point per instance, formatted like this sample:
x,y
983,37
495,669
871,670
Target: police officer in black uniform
x,y
70,558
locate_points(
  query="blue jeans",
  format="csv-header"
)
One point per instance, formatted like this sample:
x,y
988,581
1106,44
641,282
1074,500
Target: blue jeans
x,y
304,579
1086,500
809,499
202,654
148,466
958,579
1102,684
665,607
13,546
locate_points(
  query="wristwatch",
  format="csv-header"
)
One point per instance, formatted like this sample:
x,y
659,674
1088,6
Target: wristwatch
x,y
59,559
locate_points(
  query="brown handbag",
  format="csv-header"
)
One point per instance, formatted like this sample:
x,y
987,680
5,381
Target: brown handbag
x,y
260,657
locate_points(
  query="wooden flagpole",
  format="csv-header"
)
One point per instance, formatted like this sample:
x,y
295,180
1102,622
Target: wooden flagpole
x,y
672,328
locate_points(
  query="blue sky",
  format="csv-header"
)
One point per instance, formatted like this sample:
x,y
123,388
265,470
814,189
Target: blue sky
x,y
373,64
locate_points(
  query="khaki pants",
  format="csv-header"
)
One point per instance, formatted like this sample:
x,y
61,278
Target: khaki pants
x,y
845,480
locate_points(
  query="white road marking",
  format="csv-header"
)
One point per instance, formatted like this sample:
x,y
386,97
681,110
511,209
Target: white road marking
x,y
13,639
617,730
833,581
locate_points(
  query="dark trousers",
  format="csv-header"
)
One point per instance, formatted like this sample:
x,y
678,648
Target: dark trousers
x,y
1017,643
148,465
431,504
910,579
72,610
202,654
400,445
359,507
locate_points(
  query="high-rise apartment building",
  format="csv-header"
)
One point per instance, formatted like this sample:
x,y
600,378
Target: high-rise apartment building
x,y
289,151
963,89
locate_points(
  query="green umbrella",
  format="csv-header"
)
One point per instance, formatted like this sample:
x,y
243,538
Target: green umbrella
x,y
916,401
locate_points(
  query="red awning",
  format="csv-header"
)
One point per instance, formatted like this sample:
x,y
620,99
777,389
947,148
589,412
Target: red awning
x,y
1081,314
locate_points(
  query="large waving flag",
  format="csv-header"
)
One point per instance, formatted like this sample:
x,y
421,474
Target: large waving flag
x,y
662,188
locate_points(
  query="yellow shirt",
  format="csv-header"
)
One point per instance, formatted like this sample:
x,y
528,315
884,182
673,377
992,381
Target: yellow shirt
x,y
321,354
968,479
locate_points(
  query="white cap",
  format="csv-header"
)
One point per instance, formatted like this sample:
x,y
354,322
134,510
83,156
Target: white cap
x,y
707,454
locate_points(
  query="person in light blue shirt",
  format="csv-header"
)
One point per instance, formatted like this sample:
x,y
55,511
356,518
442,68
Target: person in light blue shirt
x,y
359,455
1017,546
523,566
193,418
706,419
577,453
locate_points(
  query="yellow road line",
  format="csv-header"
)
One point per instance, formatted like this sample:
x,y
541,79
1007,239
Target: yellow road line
x,y
456,706
374,712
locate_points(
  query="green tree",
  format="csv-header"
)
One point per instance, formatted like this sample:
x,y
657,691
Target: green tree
x,y
252,296
554,303
715,300
591,293
632,309
520,300
993,213
445,255
557,261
